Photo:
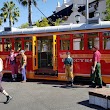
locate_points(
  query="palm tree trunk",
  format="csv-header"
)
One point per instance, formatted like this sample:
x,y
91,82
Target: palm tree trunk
x,y
9,20
29,13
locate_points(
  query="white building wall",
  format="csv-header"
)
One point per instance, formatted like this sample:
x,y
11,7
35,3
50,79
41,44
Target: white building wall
x,y
71,18
102,8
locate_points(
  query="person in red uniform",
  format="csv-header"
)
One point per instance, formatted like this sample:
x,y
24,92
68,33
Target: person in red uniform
x,y
1,88
96,69
11,60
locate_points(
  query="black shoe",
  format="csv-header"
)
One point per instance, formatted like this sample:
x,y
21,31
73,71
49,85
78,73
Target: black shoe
x,y
92,86
72,85
99,86
68,83
14,79
8,99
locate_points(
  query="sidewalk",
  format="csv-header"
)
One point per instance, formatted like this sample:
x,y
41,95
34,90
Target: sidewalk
x,y
100,97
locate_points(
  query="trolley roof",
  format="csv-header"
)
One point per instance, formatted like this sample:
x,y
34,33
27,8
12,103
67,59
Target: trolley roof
x,y
56,29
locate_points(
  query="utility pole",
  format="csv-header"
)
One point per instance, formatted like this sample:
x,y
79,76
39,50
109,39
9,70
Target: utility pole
x,y
87,11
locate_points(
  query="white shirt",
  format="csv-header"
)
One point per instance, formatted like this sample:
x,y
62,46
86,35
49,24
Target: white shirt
x,y
1,64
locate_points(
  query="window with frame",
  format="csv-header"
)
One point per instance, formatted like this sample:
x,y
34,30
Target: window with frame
x,y
7,44
28,43
106,40
17,44
93,40
64,42
45,45
78,42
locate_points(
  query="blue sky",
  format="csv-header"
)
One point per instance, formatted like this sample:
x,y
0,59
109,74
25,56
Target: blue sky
x,y
47,8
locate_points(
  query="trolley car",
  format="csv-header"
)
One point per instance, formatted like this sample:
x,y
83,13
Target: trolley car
x,y
46,48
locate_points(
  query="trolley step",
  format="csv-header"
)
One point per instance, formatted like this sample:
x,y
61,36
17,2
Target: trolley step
x,y
46,72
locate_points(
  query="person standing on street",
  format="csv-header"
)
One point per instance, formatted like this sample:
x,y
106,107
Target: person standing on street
x,y
68,65
11,60
1,88
96,69
23,65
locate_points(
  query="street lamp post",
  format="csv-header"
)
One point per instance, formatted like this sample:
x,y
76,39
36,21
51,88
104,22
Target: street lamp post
x,y
87,11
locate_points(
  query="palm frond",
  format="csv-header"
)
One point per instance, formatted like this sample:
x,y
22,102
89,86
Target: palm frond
x,y
10,11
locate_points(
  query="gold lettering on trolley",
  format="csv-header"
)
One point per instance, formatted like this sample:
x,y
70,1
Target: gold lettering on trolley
x,y
63,55
82,60
86,57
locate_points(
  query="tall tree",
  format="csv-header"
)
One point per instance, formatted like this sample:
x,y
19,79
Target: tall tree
x,y
10,11
25,25
29,3
58,21
44,22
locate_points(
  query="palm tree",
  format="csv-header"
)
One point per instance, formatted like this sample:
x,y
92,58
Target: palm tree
x,y
29,3
9,11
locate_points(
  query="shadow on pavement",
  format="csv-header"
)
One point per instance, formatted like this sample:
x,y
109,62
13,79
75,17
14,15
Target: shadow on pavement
x,y
74,86
51,82
7,77
2,102
60,84
86,103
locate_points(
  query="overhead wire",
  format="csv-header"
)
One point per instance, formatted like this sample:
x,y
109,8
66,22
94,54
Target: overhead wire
x,y
44,15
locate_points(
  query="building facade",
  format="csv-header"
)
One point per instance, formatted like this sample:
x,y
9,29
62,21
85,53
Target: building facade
x,y
70,9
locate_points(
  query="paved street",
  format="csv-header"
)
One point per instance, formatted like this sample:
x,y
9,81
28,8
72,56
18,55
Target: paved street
x,y
44,95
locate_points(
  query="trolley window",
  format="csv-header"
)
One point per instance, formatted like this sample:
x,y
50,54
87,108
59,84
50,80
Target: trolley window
x,y
44,45
28,43
7,44
78,42
17,44
64,42
93,40
106,40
